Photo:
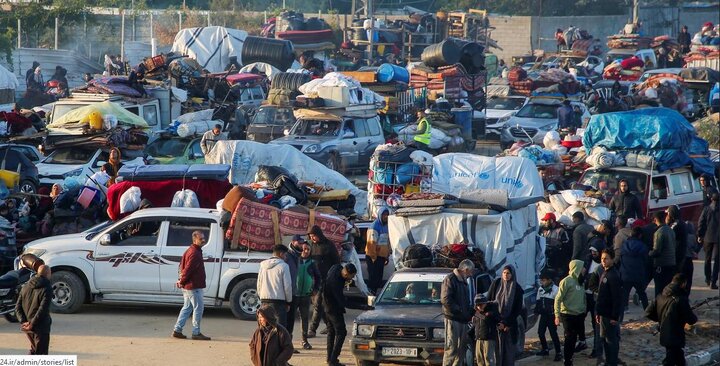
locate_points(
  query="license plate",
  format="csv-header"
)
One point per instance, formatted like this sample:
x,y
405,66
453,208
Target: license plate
x,y
398,351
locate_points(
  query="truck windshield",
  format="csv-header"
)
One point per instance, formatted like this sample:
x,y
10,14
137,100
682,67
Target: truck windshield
x,y
166,148
538,111
607,181
62,109
69,156
312,127
273,116
411,292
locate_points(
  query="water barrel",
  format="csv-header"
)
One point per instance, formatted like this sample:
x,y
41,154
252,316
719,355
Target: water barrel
x,y
441,54
471,55
359,34
388,72
276,52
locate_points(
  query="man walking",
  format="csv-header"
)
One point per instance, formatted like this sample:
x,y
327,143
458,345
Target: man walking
x,y
210,138
570,309
192,283
609,307
334,303
663,252
708,235
622,233
308,285
581,236
672,310
633,268
377,249
292,258
683,254
33,311
274,283
458,311
325,255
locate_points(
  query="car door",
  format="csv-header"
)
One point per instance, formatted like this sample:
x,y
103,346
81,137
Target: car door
x,y
373,139
347,143
178,240
126,257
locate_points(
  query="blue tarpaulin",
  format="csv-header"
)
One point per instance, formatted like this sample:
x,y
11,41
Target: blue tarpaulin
x,y
646,129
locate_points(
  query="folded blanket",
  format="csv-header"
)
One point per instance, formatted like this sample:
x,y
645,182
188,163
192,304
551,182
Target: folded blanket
x,y
417,211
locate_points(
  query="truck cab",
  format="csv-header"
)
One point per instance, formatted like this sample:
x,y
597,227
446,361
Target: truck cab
x,y
136,259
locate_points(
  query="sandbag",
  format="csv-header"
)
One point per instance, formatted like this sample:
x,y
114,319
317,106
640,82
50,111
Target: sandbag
x,y
130,200
286,186
599,213
185,198
417,256
558,203
565,220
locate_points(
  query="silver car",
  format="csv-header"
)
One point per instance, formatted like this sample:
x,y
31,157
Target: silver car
x,y
341,144
499,110
534,120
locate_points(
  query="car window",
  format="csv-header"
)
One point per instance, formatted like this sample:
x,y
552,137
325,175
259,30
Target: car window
x,y
142,232
180,231
505,104
70,156
659,189
411,292
538,111
606,181
166,148
195,148
28,152
360,127
150,115
10,159
681,183
308,127
696,184
134,110
373,127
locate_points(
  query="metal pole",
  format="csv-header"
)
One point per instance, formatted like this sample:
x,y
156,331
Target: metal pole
x,y
180,21
152,34
208,16
57,24
636,10
19,39
122,37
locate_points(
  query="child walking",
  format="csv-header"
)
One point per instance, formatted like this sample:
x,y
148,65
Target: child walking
x,y
545,308
485,322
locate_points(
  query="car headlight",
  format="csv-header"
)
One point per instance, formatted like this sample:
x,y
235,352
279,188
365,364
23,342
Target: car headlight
x,y
549,127
312,148
73,173
502,120
438,333
364,330
37,252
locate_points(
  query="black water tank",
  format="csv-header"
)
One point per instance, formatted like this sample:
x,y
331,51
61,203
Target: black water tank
x,y
289,80
276,52
441,54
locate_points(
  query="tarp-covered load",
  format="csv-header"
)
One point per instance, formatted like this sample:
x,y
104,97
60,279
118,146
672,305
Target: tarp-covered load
x,y
505,238
647,128
210,46
76,119
704,74
244,157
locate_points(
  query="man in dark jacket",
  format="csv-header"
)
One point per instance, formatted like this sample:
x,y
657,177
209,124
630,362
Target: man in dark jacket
x,y
684,38
625,203
29,74
672,310
292,259
663,253
622,233
609,307
458,311
33,311
708,234
545,308
325,255
633,266
565,115
334,303
485,322
707,189
192,282
683,263
580,237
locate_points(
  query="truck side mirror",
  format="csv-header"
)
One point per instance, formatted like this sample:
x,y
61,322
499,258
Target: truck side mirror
x,y
371,301
105,239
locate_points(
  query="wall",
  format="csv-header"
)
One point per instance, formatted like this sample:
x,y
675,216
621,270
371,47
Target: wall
x,y
513,35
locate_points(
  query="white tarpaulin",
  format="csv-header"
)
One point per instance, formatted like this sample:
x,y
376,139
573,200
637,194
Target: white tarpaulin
x,y
244,157
509,237
269,70
211,47
8,80
456,173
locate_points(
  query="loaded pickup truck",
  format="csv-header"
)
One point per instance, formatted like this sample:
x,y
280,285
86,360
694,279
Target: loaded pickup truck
x,y
136,259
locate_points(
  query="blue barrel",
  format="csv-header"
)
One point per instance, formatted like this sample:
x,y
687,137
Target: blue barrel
x,y
463,118
388,72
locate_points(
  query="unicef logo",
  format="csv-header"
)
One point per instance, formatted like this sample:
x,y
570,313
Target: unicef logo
x,y
484,176
513,182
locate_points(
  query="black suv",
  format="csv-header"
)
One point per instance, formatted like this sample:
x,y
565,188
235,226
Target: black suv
x,y
22,159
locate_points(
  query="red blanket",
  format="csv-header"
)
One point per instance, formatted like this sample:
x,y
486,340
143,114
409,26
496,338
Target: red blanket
x,y
161,193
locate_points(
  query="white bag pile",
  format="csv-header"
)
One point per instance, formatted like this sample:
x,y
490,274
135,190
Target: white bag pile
x,y
565,203
601,158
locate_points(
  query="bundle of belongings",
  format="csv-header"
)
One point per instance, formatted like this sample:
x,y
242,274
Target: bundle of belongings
x,y
117,85
576,38
26,122
98,125
628,41
277,205
662,90
444,131
564,204
194,123
417,204
658,138
310,33
538,155
519,82
450,256
555,82
397,169
340,91
629,69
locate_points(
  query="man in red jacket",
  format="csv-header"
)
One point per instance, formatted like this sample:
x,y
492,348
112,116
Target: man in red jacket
x,y
192,283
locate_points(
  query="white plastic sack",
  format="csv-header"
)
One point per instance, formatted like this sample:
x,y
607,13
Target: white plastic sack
x,y
565,220
219,204
110,121
571,196
420,157
651,93
598,213
572,209
551,139
204,115
558,203
601,160
588,202
438,139
559,150
592,222
185,198
196,128
130,200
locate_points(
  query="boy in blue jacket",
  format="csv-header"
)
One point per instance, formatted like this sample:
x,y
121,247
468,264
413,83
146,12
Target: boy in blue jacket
x,y
545,309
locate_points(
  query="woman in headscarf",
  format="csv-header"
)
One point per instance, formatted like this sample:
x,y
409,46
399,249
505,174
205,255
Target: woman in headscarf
x,y
116,164
506,292
271,344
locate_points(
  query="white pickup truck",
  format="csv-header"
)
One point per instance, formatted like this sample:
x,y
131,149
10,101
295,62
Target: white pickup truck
x,y
135,260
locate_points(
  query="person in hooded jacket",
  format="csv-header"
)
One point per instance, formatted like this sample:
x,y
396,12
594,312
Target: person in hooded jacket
x,y
485,322
633,267
708,234
671,309
271,344
33,311
609,307
684,265
590,278
308,284
292,259
545,308
570,309
509,296
325,255
274,283
377,249
663,252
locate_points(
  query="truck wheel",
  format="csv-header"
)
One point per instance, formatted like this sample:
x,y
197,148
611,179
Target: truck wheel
x,y
68,292
244,300
366,363
11,317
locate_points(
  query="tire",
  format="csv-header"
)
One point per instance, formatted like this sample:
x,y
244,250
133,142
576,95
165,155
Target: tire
x,y
68,292
27,186
11,317
332,163
366,363
244,301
